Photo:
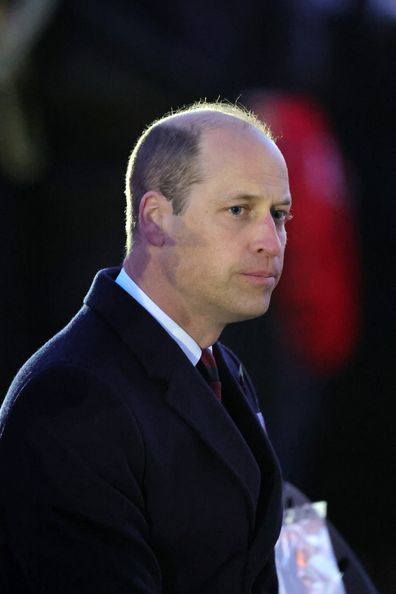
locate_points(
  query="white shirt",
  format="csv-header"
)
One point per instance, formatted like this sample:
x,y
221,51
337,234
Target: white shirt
x,y
188,345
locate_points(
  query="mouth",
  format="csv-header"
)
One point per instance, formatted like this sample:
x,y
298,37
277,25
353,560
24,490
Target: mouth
x,y
262,278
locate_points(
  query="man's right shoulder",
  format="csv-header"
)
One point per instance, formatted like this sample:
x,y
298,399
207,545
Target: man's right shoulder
x,y
82,359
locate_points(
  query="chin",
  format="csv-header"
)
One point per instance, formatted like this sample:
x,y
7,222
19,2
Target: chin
x,y
251,313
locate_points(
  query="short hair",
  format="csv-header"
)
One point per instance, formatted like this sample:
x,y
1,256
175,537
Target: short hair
x,y
166,156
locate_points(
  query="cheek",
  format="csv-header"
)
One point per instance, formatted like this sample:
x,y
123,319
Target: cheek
x,y
201,252
190,265
207,267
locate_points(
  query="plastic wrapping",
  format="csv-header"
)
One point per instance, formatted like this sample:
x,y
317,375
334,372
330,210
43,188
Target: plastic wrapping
x,y
305,559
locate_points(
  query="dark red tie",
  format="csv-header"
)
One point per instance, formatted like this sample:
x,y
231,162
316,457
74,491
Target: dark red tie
x,y
208,366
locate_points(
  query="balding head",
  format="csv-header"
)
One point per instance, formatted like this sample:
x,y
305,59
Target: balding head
x,y
166,157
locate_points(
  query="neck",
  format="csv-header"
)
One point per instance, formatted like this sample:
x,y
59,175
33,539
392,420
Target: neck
x,y
199,327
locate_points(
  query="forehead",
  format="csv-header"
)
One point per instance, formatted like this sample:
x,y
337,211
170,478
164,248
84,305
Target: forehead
x,y
241,152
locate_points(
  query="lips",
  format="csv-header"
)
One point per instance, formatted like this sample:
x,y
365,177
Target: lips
x,y
260,273
260,277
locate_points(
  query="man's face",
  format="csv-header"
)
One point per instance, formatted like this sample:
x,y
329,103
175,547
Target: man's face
x,y
223,256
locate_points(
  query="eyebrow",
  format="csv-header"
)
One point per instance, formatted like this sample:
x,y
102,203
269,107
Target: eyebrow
x,y
254,197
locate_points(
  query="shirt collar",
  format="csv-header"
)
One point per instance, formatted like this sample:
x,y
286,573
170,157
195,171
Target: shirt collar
x,y
188,345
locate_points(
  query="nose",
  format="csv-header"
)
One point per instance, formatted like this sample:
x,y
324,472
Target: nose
x,y
268,237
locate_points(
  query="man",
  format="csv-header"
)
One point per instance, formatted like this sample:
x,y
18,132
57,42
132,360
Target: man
x,y
126,465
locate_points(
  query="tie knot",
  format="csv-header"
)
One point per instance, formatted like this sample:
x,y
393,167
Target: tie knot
x,y
208,365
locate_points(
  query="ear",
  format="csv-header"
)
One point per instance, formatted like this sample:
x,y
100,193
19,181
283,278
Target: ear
x,y
152,209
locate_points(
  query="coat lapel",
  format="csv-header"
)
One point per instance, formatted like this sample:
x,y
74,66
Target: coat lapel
x,y
192,399
269,509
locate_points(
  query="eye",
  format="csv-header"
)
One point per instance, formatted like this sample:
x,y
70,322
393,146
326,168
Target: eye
x,y
281,216
237,210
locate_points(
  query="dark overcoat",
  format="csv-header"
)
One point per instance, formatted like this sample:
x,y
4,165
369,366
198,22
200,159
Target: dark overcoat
x,y
122,474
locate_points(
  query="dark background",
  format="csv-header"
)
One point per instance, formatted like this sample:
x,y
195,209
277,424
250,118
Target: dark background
x,y
76,91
